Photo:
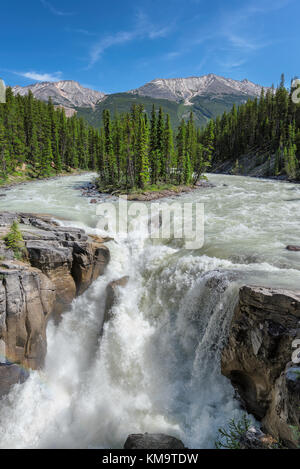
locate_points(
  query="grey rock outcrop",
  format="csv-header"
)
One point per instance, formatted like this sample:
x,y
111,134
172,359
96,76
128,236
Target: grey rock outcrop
x,y
10,375
153,441
67,93
258,358
62,262
184,89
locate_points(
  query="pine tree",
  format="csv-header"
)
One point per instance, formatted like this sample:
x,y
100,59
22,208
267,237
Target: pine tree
x,y
46,159
168,150
143,163
14,241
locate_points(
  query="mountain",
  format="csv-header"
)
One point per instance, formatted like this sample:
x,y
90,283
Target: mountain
x,y
122,102
207,96
67,93
185,89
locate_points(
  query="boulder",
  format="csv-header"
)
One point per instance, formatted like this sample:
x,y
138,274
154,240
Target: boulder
x,y
153,441
89,262
293,248
258,357
256,439
11,375
112,295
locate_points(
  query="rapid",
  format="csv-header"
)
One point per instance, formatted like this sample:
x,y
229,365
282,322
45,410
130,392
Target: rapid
x,y
156,368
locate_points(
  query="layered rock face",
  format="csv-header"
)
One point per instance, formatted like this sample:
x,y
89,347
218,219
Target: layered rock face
x,y
258,358
62,263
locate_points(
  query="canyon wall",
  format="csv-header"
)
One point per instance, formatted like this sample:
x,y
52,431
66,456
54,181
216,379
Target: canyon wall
x,y
258,358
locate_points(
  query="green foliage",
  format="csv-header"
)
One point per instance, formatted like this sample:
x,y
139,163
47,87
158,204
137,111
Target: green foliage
x,y
264,127
37,140
14,240
296,433
137,152
229,437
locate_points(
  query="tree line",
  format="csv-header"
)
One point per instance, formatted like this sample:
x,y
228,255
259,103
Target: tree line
x,y
131,150
40,136
266,128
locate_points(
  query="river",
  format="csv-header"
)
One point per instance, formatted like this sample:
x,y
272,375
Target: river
x,y
157,366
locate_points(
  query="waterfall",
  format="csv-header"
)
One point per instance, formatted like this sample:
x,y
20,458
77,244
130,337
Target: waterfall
x,y
156,367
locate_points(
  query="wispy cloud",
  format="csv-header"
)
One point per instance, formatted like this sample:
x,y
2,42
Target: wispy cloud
x,y
232,64
144,29
85,32
99,48
234,26
54,10
232,37
36,76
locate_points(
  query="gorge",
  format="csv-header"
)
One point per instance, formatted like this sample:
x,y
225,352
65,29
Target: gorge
x,y
156,366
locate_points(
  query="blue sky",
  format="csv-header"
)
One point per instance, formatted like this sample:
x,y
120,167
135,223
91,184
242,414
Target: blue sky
x,y
118,45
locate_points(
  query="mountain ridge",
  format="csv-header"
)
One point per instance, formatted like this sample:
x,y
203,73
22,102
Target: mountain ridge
x,y
185,89
72,93
67,93
207,96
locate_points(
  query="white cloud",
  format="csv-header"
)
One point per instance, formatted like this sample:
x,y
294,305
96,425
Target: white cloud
x,y
54,10
144,29
119,38
56,76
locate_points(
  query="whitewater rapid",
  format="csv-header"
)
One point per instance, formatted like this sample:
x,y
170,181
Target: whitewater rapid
x,y
157,365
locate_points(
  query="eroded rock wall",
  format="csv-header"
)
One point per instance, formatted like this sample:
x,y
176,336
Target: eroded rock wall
x,y
62,263
258,357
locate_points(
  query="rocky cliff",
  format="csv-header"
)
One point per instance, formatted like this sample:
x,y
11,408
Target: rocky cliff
x,y
61,263
258,358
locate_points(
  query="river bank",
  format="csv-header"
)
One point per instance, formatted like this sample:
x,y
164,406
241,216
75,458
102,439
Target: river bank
x,y
23,179
252,165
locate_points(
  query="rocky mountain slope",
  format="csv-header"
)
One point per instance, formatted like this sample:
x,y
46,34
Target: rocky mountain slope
x,y
66,93
62,263
185,89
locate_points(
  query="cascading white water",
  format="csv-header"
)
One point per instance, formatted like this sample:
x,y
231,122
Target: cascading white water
x,y
157,366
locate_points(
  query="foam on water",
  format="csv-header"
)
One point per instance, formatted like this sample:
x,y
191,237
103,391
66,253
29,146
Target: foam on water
x,y
157,365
